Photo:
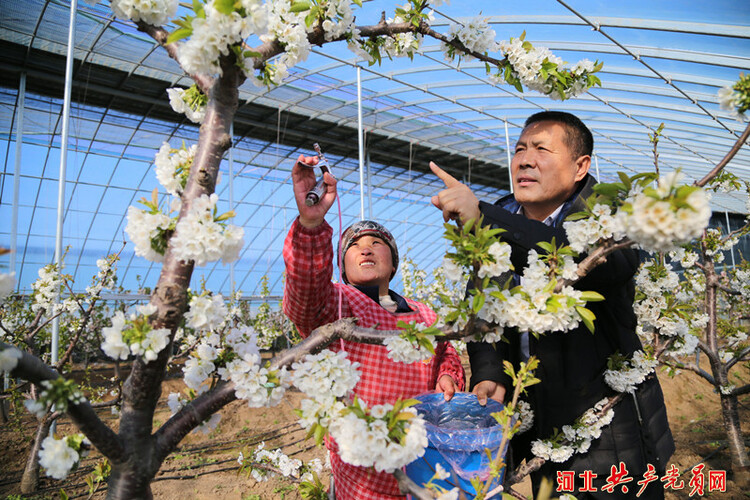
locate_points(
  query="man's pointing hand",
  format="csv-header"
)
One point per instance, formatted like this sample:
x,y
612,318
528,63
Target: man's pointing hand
x,y
456,201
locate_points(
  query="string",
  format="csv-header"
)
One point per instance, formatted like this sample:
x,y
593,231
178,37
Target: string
x,y
341,275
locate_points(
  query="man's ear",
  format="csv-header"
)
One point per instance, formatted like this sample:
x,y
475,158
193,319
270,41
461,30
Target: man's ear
x,y
582,166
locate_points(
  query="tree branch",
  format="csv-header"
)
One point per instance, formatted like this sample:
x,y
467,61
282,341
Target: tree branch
x,y
535,463
159,34
598,256
745,389
406,485
693,368
191,416
738,357
106,441
723,163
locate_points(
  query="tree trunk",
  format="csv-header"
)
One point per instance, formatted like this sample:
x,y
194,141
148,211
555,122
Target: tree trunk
x,y
127,482
731,416
30,479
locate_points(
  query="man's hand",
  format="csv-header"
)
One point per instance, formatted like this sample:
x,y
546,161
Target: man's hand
x,y
304,178
489,389
456,200
447,386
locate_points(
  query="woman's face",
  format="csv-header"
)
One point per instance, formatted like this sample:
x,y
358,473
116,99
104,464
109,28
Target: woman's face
x,y
368,262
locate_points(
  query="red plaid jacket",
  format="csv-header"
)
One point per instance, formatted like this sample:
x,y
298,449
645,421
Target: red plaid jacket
x,y
311,300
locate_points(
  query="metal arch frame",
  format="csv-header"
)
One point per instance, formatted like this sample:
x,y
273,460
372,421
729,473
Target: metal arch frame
x,y
612,113
616,22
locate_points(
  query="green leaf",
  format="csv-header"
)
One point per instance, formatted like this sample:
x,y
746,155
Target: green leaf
x,y
226,7
587,316
478,302
358,2
179,34
611,190
577,216
591,296
320,433
299,6
625,180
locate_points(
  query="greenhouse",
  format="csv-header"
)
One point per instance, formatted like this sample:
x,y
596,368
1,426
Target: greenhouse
x,y
97,96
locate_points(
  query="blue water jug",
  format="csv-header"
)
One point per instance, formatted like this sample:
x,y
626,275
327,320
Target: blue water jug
x,y
458,431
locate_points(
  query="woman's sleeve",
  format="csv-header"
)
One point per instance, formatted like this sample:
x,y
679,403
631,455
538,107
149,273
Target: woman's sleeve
x,y
309,299
449,363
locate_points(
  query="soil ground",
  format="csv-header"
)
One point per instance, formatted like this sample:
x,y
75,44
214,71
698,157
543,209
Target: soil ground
x,y
205,466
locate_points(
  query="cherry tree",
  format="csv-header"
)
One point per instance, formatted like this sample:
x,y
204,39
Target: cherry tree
x,y
222,361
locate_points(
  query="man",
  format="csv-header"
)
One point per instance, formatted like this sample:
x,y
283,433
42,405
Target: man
x,y
369,258
550,181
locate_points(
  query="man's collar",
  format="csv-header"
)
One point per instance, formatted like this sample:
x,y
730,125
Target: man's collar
x,y
374,293
550,219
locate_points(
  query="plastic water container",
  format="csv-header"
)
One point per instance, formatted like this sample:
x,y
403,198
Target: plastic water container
x,y
458,431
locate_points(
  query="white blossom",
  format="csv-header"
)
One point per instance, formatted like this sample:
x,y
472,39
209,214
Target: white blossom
x,y
36,407
7,283
452,271
142,228
179,104
57,457
206,312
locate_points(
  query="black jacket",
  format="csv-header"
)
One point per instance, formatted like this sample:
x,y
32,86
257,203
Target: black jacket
x,y
572,363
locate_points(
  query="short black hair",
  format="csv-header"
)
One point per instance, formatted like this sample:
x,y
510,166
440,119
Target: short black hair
x,y
578,137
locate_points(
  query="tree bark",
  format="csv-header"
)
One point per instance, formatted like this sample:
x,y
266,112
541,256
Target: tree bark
x,y
30,478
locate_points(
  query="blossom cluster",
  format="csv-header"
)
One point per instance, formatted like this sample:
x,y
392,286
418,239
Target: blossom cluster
x,y
537,68
206,312
238,359
46,289
134,335
740,282
264,465
57,393
213,33
191,102
736,98
202,237
105,278
575,438
525,416
475,34
173,167
497,263
601,225
376,438
624,376
661,311
153,12
324,377
535,306
326,374
148,231
402,350
659,219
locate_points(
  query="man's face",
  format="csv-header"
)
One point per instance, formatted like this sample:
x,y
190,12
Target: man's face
x,y
368,262
544,170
